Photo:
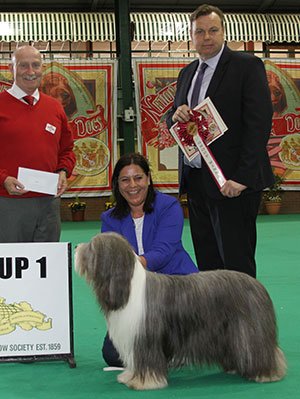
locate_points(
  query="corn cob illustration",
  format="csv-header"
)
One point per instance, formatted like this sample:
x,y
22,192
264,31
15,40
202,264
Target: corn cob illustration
x,y
23,315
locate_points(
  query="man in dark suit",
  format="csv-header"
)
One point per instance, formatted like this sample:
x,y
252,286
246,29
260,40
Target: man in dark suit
x,y
223,221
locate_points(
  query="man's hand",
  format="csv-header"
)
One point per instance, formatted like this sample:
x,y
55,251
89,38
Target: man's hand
x,y
182,114
232,189
13,186
62,183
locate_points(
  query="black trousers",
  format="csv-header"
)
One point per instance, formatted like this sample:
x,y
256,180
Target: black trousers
x,y
223,231
110,354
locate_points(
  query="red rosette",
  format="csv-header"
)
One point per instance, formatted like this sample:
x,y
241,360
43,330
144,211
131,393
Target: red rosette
x,y
196,124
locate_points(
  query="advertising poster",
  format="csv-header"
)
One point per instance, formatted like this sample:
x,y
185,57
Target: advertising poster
x,y
35,300
155,90
284,144
87,90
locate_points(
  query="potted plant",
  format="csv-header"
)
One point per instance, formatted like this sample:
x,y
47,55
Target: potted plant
x,y
77,209
111,203
272,197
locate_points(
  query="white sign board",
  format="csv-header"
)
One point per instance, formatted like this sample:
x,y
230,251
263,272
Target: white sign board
x,y
35,299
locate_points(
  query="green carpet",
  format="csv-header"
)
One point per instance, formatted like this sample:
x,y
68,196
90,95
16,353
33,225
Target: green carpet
x,y
278,269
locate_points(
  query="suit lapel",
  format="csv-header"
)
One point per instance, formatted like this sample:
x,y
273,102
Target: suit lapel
x,y
219,72
189,77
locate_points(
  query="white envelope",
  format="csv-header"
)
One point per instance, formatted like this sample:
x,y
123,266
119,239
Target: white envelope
x,y
38,181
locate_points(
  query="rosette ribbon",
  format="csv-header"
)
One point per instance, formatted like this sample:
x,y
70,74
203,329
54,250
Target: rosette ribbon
x,y
193,133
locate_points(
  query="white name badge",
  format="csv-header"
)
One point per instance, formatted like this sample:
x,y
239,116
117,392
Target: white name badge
x,y
50,128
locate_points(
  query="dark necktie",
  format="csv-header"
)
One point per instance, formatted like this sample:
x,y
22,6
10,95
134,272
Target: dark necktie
x,y
29,99
197,86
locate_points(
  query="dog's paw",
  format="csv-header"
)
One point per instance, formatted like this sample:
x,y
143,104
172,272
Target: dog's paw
x,y
147,384
278,369
269,378
230,371
125,377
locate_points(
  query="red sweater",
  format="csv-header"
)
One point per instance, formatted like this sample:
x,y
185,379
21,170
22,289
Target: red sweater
x,y
36,137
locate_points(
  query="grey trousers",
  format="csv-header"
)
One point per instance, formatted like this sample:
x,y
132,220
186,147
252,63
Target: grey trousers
x,y
29,219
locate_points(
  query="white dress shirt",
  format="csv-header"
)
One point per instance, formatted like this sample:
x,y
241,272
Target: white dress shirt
x,y
18,93
139,222
208,74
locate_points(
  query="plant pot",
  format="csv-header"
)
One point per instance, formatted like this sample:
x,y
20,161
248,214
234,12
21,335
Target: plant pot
x,y
185,211
78,216
273,207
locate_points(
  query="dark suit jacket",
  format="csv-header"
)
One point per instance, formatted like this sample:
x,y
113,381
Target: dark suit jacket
x,y
240,92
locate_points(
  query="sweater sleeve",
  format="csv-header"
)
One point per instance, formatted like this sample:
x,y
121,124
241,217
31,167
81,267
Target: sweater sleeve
x,y
3,176
66,156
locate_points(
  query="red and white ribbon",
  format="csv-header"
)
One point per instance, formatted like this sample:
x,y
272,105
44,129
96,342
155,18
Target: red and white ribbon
x,y
198,141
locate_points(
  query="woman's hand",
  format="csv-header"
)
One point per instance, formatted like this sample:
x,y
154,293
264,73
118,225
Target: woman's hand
x,y
143,261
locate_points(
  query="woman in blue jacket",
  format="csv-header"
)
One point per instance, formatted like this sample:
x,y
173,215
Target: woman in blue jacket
x,y
152,222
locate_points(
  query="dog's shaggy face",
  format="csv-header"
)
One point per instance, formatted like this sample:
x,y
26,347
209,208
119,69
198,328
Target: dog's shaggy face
x,y
107,262
220,317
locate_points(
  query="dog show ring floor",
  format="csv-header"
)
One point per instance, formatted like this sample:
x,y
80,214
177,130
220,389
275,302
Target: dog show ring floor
x,y
278,269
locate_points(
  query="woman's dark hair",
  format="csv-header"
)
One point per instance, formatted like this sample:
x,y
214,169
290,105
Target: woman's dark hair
x,y
122,208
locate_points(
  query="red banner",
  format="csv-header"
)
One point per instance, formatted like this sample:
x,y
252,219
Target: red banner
x,y
83,126
155,91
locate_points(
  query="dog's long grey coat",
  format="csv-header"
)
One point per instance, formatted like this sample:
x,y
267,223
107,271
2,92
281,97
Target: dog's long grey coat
x,y
218,317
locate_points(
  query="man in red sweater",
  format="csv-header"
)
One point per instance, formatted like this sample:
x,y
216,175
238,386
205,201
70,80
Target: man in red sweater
x,y
34,133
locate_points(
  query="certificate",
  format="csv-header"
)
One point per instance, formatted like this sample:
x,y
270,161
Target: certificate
x,y
204,127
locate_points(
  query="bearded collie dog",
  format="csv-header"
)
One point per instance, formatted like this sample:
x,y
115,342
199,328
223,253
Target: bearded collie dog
x,y
156,321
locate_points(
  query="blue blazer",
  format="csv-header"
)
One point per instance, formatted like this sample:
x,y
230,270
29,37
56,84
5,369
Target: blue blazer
x,y
162,231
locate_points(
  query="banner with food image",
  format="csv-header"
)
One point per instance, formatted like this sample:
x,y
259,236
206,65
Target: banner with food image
x,y
284,144
155,89
87,90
